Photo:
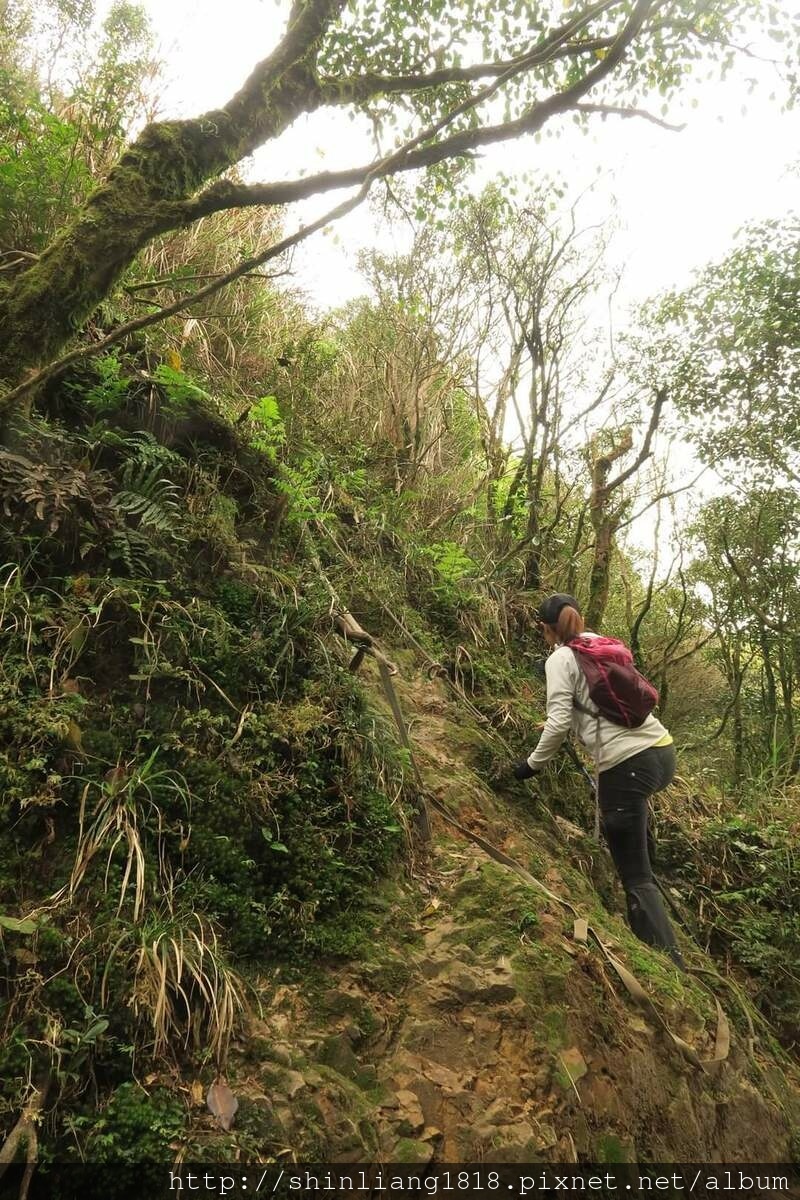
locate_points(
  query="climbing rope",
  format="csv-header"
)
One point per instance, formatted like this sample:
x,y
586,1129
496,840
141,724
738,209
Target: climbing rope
x,y
582,930
365,644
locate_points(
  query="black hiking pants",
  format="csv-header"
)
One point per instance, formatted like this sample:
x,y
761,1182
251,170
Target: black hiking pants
x,y
624,793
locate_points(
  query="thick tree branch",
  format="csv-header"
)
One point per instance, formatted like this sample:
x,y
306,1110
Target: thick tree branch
x,y
385,166
10,399
166,164
644,452
227,193
458,143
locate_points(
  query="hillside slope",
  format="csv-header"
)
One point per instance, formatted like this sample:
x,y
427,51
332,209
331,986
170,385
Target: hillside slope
x,y
477,1028
210,867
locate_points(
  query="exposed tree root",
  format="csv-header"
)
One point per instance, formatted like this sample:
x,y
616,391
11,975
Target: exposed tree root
x,y
24,1133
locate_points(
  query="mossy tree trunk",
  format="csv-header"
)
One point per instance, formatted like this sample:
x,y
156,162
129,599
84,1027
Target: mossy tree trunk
x,y
170,176
146,194
606,511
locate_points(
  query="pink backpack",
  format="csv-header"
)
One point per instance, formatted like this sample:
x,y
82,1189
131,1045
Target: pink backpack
x,y
620,693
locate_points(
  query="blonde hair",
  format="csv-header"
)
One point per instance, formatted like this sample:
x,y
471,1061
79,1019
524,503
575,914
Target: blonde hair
x,y
569,624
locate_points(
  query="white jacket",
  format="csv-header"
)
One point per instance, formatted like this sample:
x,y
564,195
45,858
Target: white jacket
x,y
608,745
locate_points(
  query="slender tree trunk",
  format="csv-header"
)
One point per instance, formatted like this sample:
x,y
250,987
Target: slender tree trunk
x,y
599,579
663,693
604,524
738,723
770,694
572,573
787,691
533,558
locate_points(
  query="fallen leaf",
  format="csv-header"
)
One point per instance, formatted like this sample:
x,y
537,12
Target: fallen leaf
x,y
222,1103
431,908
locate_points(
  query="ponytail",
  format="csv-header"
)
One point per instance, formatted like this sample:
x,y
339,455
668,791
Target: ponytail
x,y
569,624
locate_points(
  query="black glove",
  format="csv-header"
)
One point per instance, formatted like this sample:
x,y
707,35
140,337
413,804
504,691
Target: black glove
x,y
522,770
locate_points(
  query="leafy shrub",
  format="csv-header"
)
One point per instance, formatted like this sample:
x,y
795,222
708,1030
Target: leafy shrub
x,y
270,432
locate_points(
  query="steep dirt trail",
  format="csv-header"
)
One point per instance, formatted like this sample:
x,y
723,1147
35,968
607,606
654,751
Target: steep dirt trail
x,y
477,1029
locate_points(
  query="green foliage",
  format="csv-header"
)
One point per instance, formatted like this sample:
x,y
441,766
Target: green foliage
x,y
749,572
153,500
731,347
62,508
213,779
747,869
58,132
299,484
451,561
271,431
194,787
36,149
111,388
135,1127
182,394
435,34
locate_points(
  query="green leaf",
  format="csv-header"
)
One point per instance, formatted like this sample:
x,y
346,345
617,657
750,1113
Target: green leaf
x,y
17,924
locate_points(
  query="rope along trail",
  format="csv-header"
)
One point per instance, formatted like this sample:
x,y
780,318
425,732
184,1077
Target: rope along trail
x,y
582,930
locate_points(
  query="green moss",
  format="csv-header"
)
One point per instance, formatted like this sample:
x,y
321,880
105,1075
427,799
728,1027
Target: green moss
x,y
611,1149
551,1028
410,1151
540,975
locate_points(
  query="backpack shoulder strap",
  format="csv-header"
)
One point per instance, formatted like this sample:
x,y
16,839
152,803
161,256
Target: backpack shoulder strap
x,y
589,712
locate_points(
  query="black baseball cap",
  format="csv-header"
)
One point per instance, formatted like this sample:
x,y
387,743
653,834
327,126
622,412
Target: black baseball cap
x,y
552,606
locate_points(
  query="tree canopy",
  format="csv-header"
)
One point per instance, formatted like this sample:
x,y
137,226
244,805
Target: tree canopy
x,y
467,75
730,346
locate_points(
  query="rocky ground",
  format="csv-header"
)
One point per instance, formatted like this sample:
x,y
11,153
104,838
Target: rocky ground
x,y
478,1029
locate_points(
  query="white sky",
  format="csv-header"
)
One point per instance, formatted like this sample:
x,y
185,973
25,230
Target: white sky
x,y
677,198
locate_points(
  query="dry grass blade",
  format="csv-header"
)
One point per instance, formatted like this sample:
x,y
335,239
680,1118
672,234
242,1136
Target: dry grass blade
x,y
127,805
184,987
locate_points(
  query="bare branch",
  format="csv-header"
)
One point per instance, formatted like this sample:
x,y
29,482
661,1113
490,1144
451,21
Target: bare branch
x,y
618,110
174,281
662,496
757,609
644,452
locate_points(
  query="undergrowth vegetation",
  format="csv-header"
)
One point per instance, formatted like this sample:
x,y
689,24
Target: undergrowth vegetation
x,y
196,793
191,780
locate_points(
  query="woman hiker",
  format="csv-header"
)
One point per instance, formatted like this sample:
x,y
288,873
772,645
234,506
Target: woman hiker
x,y
632,762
